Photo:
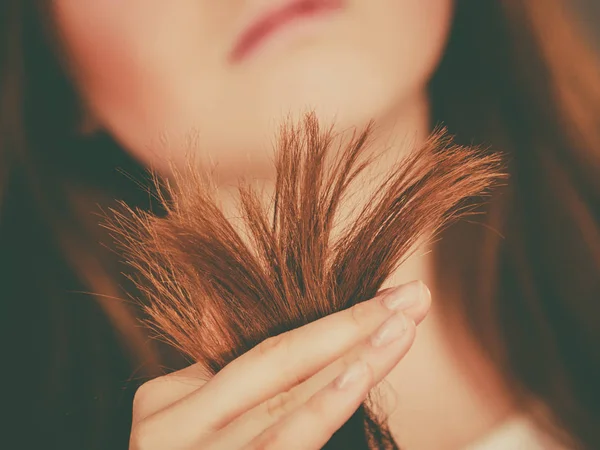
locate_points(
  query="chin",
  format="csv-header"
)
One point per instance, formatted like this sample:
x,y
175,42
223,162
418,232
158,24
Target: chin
x,y
342,86
346,86
343,92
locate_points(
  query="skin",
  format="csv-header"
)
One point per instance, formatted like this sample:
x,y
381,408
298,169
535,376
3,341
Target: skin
x,y
341,356
149,70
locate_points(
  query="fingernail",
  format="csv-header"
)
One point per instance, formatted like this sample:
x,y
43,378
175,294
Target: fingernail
x,y
356,371
406,296
391,330
386,290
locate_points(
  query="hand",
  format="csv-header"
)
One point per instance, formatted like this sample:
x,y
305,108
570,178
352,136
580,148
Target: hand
x,y
298,387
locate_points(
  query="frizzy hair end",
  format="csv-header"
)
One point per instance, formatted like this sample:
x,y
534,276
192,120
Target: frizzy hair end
x,y
214,292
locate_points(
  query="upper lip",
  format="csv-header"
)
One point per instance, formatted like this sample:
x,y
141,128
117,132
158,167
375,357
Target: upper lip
x,y
262,22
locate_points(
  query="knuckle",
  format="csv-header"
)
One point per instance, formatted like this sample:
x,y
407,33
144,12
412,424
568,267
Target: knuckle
x,y
280,345
272,344
317,408
279,405
370,375
349,360
359,314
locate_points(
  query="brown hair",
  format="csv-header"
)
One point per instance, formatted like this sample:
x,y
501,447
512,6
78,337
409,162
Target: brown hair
x,y
516,75
216,288
529,86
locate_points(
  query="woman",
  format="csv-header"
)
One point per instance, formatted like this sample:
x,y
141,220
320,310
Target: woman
x,y
510,343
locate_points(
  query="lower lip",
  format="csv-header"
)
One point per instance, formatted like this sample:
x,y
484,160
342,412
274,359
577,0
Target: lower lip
x,y
301,24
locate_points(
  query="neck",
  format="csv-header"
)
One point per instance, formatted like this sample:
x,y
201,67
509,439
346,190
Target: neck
x,y
395,133
444,363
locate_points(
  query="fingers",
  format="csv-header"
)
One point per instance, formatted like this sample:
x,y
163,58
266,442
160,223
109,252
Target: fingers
x,y
280,363
161,392
325,411
283,361
252,423
178,405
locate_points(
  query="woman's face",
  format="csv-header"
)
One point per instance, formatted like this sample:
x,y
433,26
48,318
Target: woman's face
x,y
152,71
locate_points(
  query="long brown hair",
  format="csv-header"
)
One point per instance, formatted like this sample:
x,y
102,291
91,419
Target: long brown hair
x,y
216,286
516,75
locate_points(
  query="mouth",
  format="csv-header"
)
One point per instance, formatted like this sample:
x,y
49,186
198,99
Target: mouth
x,y
271,22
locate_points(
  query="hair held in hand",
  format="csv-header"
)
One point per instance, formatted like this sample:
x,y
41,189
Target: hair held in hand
x,y
214,292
